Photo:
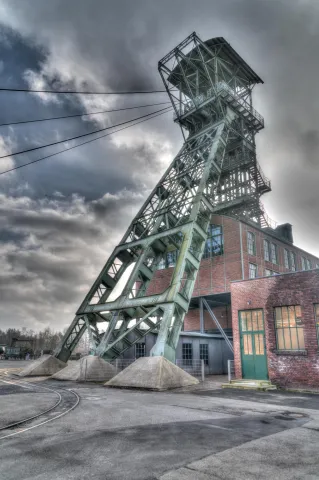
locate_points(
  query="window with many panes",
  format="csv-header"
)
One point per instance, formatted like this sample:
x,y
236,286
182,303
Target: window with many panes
x,y
187,353
203,352
293,261
289,329
169,260
252,270
266,250
286,258
303,263
139,350
274,254
317,320
214,244
251,243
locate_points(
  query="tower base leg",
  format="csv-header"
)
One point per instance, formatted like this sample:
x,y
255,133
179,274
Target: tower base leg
x,y
152,373
44,366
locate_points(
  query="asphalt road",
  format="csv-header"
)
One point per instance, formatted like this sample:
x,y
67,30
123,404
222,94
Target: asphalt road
x,y
289,399
9,364
132,435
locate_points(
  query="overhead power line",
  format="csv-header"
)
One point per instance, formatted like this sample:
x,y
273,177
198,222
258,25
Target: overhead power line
x,y
30,90
84,143
80,136
80,114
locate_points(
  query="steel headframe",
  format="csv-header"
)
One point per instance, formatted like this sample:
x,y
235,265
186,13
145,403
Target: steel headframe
x,y
216,171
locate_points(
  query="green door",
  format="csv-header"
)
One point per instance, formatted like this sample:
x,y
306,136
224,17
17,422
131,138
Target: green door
x,y
252,345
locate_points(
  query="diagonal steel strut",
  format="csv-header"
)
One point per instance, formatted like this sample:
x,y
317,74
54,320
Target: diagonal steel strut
x,y
216,170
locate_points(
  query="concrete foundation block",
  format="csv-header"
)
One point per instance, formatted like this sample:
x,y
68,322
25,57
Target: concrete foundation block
x,y
87,369
44,366
152,373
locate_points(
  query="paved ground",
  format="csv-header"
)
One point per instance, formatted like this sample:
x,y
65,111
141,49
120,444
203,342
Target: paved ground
x,y
289,399
10,364
132,435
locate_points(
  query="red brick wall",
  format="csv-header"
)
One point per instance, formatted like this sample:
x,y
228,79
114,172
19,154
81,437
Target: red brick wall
x,y
160,281
223,315
258,259
215,274
300,288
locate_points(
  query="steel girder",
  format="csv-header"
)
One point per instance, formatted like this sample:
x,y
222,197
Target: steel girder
x,y
216,171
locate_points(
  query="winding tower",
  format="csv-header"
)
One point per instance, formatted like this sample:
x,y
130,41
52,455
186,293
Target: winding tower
x,y
215,172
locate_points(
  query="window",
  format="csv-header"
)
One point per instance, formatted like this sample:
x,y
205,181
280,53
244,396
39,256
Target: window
x,y
251,243
289,329
252,270
286,258
293,261
274,257
266,250
187,353
169,260
203,352
317,265
303,263
214,244
308,264
139,350
269,273
317,320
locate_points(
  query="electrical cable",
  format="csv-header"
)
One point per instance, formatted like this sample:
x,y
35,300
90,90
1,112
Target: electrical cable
x,y
79,136
83,143
81,114
29,90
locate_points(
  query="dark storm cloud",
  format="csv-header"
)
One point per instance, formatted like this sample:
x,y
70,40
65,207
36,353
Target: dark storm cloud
x,y
62,245
58,242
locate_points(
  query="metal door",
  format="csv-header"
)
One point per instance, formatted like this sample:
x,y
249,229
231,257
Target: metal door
x,y
252,345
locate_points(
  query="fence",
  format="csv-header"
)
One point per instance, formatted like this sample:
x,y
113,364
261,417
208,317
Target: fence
x,y
196,368
121,363
231,370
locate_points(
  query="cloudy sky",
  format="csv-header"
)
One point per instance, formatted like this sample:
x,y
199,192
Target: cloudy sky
x,y
60,218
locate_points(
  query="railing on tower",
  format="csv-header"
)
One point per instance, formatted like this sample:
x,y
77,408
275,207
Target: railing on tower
x,y
224,90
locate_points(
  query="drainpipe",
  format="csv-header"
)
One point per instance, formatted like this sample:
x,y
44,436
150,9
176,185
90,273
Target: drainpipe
x,y
241,252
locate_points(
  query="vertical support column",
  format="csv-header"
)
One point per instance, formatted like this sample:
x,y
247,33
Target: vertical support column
x,y
203,370
201,316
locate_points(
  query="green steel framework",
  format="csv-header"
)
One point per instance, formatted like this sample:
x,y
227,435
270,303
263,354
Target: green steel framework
x,y
215,172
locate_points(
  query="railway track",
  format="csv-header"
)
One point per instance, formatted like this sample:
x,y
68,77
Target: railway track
x,y
67,400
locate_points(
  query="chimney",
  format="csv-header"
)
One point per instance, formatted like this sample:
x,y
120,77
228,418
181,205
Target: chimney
x,y
285,232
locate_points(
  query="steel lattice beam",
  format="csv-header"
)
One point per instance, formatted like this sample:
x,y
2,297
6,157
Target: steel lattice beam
x,y
216,171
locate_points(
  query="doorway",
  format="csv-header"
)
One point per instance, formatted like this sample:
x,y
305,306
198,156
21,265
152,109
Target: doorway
x,y
252,344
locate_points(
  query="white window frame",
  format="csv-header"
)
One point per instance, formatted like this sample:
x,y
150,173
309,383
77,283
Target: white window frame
x,y
303,264
266,250
251,243
286,258
293,261
255,269
274,253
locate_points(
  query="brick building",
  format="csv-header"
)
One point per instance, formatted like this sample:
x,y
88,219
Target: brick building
x,y
254,273
277,319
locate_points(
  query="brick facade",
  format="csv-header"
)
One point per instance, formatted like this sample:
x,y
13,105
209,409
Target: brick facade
x,y
223,315
301,288
216,274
